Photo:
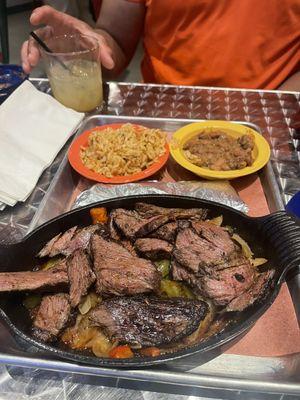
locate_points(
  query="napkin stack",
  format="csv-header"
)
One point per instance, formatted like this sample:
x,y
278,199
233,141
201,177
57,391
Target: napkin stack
x,y
33,128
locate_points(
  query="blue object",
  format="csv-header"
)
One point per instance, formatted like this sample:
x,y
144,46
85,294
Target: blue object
x,y
293,206
11,76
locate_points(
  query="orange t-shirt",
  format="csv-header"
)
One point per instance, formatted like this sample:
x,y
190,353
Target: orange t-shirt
x,y
229,43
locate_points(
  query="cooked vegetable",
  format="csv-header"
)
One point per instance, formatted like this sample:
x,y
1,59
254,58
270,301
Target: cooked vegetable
x,y
99,215
244,245
258,261
51,263
32,301
82,336
217,221
101,345
121,352
163,266
150,352
175,289
88,302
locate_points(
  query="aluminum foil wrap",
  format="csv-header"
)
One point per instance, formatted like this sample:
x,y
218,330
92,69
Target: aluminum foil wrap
x,y
220,192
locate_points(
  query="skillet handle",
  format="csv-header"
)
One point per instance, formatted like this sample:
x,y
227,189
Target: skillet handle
x,y
283,232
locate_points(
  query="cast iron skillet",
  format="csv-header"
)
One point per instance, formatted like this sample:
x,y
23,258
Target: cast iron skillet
x,y
275,237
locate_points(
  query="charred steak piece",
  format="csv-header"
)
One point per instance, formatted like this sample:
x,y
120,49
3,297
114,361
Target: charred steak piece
x,y
56,245
150,210
166,232
51,317
227,284
66,243
148,321
132,225
216,235
180,273
55,278
255,292
80,275
196,253
155,249
206,248
118,272
235,288
81,239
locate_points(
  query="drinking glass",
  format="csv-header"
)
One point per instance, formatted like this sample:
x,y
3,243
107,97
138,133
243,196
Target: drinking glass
x,y
74,71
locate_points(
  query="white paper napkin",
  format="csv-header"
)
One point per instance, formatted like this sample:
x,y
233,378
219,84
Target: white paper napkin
x,y
33,128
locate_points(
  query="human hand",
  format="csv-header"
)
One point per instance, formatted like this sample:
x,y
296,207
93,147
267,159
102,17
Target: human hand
x,y
59,23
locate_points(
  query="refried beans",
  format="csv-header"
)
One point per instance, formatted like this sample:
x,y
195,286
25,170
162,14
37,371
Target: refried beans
x,y
219,151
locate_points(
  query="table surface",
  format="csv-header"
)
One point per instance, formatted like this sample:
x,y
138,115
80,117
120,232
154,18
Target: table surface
x,y
273,112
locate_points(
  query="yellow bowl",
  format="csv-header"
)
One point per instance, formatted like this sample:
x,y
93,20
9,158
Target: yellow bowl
x,y
261,152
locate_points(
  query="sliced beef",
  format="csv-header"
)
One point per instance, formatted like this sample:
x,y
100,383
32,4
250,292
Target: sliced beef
x,y
155,249
150,210
227,284
55,278
148,321
80,275
113,232
255,292
118,272
73,239
180,273
46,250
81,239
166,232
51,317
216,235
56,245
127,244
132,225
204,248
196,253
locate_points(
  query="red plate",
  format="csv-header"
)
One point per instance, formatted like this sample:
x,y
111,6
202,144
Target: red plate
x,y
77,164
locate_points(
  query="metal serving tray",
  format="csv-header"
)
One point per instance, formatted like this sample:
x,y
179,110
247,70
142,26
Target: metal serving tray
x,y
67,183
224,374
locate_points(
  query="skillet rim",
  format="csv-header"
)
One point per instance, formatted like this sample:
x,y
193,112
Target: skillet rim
x,y
211,344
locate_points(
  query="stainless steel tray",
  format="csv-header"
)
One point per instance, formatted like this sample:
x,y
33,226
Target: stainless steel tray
x,y
277,375
66,183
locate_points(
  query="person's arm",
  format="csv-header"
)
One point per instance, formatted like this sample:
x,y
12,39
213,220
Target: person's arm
x,y
121,23
292,84
118,31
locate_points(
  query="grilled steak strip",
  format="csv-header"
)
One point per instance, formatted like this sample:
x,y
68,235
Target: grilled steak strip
x,y
150,210
132,225
235,287
69,241
51,317
215,235
227,284
180,273
204,248
196,253
166,232
118,272
46,250
56,245
54,278
81,239
148,321
255,292
155,249
80,275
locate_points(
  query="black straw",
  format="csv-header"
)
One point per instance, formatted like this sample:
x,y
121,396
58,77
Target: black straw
x,y
45,47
